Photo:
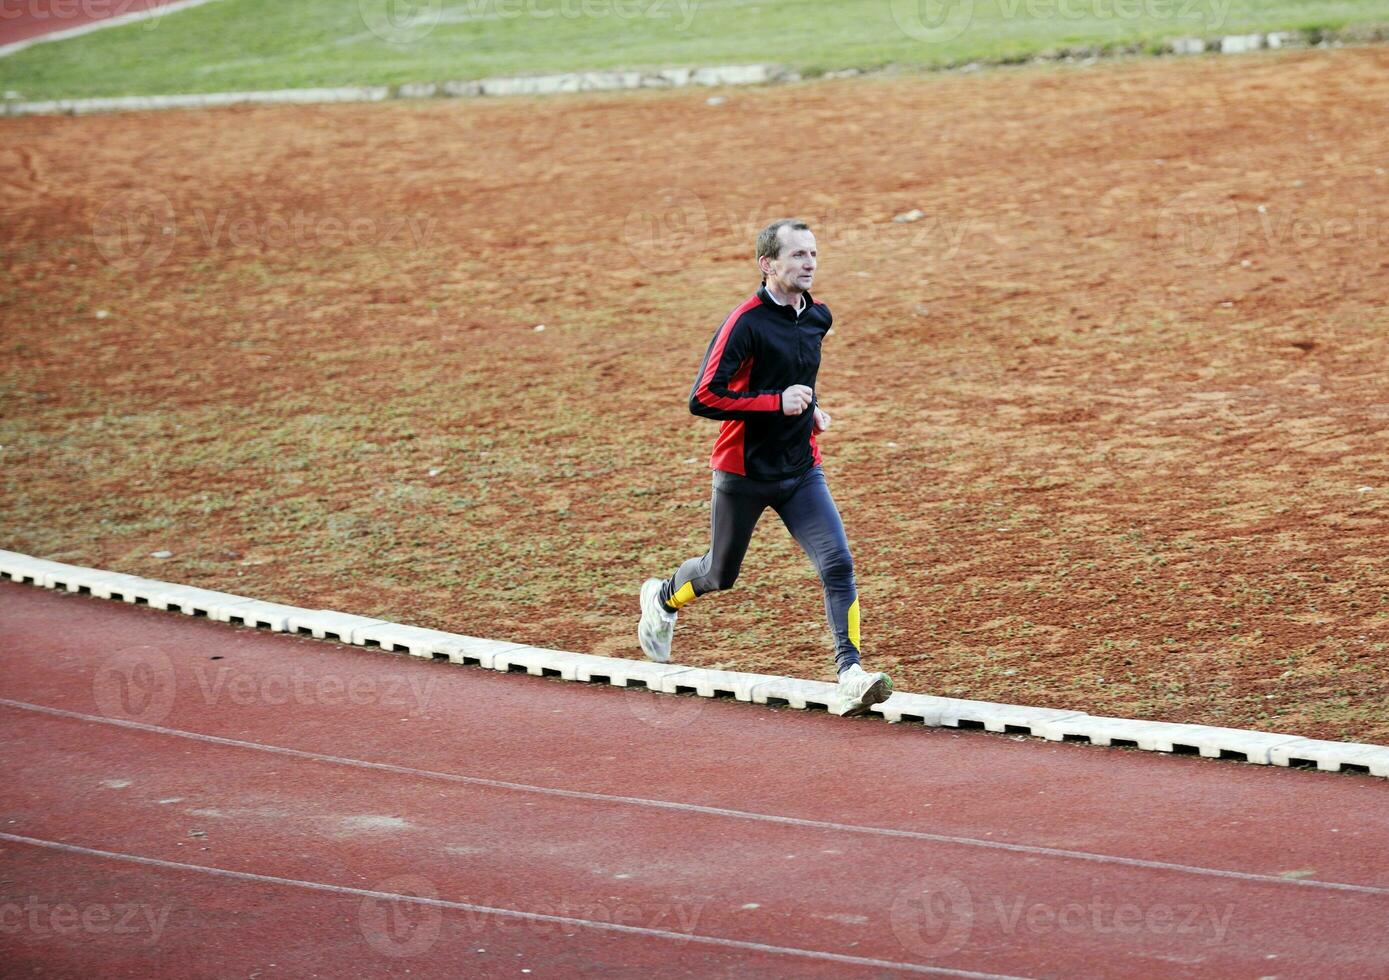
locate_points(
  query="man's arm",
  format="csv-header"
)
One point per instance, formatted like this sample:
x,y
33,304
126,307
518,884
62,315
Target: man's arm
x,y
720,390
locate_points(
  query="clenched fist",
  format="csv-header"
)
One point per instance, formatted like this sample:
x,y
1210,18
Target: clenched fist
x,y
822,420
796,399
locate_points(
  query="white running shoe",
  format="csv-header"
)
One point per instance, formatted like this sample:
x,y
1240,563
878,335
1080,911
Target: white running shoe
x,y
859,691
657,626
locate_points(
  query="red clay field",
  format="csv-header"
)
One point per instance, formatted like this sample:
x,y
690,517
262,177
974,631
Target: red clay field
x,y
1110,416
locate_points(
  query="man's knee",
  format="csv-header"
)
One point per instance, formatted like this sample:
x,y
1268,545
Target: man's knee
x,y
723,578
837,567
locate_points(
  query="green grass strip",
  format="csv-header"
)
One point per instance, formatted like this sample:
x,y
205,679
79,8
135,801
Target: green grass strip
x,y
238,45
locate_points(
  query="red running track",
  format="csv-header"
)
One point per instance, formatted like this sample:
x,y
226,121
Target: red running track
x,y
23,20
184,798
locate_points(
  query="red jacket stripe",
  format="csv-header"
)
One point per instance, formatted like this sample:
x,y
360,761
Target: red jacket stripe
x,y
711,366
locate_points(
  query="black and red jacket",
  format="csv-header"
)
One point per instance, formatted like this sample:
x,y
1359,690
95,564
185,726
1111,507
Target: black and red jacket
x,y
762,349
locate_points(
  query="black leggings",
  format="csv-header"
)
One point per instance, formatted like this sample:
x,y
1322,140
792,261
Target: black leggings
x,y
807,509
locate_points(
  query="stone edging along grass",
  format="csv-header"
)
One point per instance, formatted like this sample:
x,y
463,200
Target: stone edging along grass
x,y
619,80
1265,748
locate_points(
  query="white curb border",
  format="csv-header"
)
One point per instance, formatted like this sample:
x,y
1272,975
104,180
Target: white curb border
x,y
1262,748
630,79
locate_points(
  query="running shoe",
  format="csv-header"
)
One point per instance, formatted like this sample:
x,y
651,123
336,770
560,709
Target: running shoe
x,y
859,691
657,625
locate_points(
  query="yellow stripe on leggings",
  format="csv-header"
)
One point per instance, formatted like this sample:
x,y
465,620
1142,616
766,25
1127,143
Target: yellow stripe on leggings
x,y
682,595
853,624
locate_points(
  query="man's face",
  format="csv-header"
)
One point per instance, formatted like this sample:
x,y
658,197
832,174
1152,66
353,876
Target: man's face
x,y
794,268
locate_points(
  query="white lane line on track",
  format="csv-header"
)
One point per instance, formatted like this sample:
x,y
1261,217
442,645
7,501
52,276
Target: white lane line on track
x,y
683,937
153,13
575,794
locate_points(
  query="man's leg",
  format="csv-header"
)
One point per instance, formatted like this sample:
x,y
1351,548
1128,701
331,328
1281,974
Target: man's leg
x,y
813,520
734,508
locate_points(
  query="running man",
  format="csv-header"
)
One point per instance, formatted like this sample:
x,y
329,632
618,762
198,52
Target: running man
x,y
758,379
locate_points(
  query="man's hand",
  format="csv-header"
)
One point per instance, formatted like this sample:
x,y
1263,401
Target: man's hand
x,y
822,420
796,399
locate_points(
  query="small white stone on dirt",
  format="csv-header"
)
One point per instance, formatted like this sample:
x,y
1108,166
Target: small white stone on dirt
x,y
915,214
102,314
715,100
540,328
161,554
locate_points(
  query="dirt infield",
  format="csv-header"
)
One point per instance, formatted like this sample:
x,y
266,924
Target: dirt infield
x,y
1109,417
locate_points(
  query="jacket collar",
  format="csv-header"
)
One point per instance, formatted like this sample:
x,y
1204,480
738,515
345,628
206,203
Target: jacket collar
x,y
784,311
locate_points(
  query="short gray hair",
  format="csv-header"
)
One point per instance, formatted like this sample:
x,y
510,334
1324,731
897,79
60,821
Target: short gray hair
x,y
769,238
